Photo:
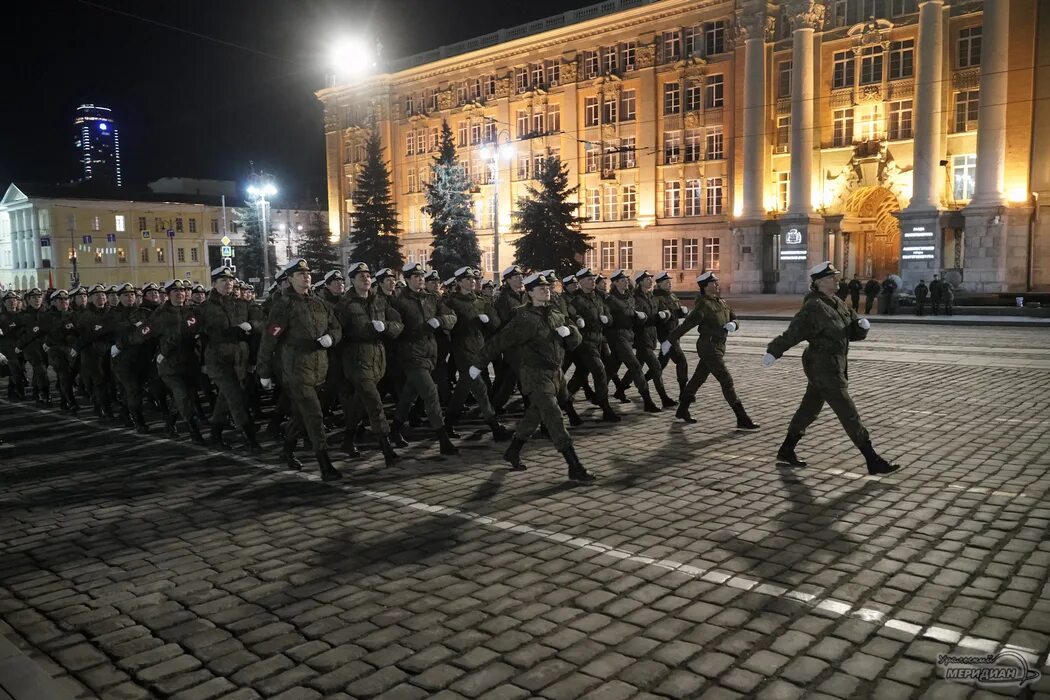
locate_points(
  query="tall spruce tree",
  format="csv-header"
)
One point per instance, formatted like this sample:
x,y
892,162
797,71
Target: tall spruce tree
x,y
249,260
450,207
315,244
374,236
551,236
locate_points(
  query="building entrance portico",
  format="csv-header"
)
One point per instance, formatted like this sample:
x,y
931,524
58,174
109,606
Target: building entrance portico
x,y
872,234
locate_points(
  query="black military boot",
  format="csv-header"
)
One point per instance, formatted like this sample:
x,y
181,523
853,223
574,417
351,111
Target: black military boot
x,y
450,430
608,414
195,433
328,472
666,401
253,446
650,407
45,396
500,432
171,427
125,418
621,395
570,411
513,455
786,453
683,409
141,426
350,445
288,455
447,448
876,464
107,412
215,439
577,472
396,438
273,428
388,450
743,421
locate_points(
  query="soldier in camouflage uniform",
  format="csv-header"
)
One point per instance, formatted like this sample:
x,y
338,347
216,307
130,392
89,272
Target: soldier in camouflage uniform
x,y
668,301
591,309
829,325
542,335
645,333
94,340
307,328
16,382
510,297
386,282
714,320
131,330
176,330
31,341
625,319
60,336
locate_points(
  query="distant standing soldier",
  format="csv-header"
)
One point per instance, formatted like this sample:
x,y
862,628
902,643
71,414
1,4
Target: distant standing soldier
x,y
855,288
936,294
843,291
306,327
948,296
921,292
829,326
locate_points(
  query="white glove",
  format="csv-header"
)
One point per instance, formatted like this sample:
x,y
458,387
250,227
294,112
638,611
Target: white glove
x,y
664,315
730,327
864,323
246,327
46,347
114,351
484,318
3,359
379,326
433,323
266,383
665,347
640,315
325,341
474,372
685,311
138,323
72,353
604,319
204,369
580,323
563,331
160,357
768,360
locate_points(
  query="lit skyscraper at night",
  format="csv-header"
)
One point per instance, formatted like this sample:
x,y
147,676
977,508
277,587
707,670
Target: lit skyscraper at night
x,y
97,144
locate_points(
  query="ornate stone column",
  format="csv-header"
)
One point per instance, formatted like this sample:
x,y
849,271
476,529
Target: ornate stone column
x,y
806,17
991,110
752,26
928,116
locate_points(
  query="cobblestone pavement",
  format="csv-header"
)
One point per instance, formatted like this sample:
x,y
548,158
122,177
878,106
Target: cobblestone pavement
x,y
134,566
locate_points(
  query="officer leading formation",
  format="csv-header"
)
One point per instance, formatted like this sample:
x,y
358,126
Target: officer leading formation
x,y
367,341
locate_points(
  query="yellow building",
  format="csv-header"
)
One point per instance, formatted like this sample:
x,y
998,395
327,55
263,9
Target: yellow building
x,y
43,228
750,137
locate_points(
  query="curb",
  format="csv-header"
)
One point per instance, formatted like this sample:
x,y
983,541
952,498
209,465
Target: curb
x,y
993,321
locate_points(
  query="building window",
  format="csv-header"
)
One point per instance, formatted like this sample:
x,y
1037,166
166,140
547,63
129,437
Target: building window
x,y
522,118
693,96
609,54
410,144
215,226
690,253
521,79
180,255
609,109
121,255
842,69
870,65
594,204
903,7
412,181
714,91
871,125
462,129
609,158
461,93
630,202
902,59
837,13
626,255
670,256
966,103
118,223
714,37
523,166
178,224
627,159
537,126
590,111
672,199
537,75
593,156
144,255
784,131
692,145
421,141
715,143
629,51
970,47
475,134
96,223
842,134
692,198
784,79
193,226
193,255
553,119
612,206
628,105
608,255
715,196
783,191
553,75
160,255
672,46
693,36
964,172
672,146
900,120
672,98
711,255
142,223
590,64
98,256
409,104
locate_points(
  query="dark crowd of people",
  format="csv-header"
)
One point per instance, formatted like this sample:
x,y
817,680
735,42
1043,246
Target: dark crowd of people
x,y
377,352
939,294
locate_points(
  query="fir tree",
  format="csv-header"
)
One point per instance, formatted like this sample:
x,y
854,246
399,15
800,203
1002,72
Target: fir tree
x,y
315,244
451,210
249,260
551,236
374,237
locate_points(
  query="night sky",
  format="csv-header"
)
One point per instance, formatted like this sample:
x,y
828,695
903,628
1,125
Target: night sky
x,y
204,106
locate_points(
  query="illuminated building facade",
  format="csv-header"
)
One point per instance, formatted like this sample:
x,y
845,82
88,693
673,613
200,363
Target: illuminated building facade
x,y
750,137
96,141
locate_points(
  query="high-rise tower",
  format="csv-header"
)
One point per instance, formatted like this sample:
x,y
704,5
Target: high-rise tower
x,y
97,144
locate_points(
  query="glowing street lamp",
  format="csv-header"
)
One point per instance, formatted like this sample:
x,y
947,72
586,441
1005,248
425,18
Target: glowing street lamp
x,y
259,193
352,56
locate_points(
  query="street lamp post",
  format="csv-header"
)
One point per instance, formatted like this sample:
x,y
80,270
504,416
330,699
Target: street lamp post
x,y
260,193
493,153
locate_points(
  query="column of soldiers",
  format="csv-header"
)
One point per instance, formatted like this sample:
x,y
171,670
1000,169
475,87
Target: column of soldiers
x,y
361,342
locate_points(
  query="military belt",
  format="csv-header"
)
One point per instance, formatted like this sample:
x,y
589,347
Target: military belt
x,y
303,344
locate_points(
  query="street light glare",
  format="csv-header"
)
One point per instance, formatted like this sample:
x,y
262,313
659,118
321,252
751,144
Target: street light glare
x,y
352,56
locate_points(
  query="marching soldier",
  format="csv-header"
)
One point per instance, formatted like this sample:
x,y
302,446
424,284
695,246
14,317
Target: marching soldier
x,y
30,343
386,284
16,384
591,309
510,297
336,386
368,321
417,351
307,328
176,329
224,322
668,301
714,320
829,326
468,338
542,335
60,336
625,319
131,330
94,341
